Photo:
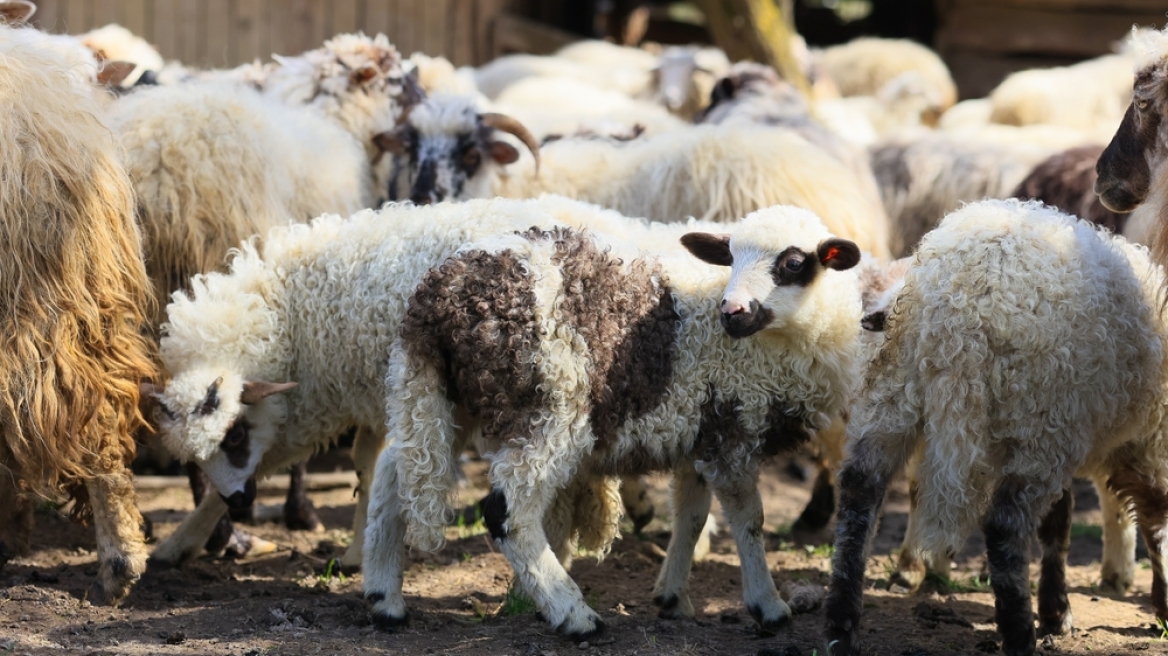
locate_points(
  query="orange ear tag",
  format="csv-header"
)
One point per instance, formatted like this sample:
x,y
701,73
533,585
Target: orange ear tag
x,y
831,253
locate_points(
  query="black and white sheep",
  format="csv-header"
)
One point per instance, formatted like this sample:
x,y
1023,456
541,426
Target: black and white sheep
x,y
1024,348
580,357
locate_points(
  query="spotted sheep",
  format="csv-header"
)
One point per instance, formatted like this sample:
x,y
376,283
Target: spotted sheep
x,y
581,357
1024,347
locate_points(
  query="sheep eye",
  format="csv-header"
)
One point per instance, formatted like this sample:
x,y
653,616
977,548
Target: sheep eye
x,y
471,158
1142,104
794,264
235,437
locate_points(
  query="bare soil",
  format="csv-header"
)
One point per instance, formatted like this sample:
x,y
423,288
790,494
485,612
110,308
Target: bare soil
x,y
282,603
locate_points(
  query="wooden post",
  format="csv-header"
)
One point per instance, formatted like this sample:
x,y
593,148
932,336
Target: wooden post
x,y
755,29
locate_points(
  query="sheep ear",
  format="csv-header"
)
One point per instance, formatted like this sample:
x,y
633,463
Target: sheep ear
x,y
838,254
16,13
390,142
503,153
709,247
112,73
256,391
362,75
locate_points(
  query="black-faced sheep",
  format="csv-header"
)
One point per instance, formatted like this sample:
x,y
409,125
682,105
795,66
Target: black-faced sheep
x,y
580,357
1067,181
74,303
1024,348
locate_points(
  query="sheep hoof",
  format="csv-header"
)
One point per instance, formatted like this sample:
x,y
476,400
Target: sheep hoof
x,y
387,615
592,628
1116,582
909,580
1056,626
770,623
673,607
388,622
642,520
302,518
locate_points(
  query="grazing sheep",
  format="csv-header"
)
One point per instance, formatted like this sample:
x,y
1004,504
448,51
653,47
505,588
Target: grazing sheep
x,y
321,304
1086,95
1067,181
866,66
1024,348
582,357
712,172
74,299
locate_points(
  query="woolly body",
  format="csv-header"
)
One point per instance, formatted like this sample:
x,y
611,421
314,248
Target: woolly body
x,y
74,303
1086,95
606,360
215,163
1066,180
864,66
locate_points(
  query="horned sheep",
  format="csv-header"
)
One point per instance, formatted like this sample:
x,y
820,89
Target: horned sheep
x,y
583,357
711,172
1056,370
75,300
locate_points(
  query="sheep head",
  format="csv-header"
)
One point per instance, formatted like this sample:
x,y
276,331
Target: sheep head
x,y
445,144
1132,163
778,257
223,423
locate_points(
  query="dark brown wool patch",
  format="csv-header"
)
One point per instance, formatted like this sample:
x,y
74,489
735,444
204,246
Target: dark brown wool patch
x,y
629,324
721,428
474,316
1066,180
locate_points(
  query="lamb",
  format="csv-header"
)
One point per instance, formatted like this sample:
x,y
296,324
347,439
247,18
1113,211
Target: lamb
x,y
75,295
323,303
865,66
1002,396
568,351
711,172
1086,95
1066,180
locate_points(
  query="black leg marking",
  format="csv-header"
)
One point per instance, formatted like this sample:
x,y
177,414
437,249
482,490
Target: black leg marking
x,y
299,513
581,636
1007,531
1055,535
820,507
494,507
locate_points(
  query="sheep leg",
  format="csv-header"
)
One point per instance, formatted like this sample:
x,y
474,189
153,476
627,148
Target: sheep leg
x,y
190,536
224,529
121,547
742,503
1119,541
691,507
557,522
821,506
864,478
1054,616
516,524
299,513
1007,527
383,556
1151,506
367,444
16,517
635,496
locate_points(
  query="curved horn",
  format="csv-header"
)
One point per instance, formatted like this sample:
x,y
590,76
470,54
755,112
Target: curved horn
x,y
514,127
256,391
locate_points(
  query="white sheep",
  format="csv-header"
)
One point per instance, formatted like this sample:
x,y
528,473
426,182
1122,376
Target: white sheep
x,y
711,172
579,356
1025,347
868,66
1087,95
115,43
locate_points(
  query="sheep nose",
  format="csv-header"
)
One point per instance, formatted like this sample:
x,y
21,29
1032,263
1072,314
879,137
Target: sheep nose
x,y
242,499
732,307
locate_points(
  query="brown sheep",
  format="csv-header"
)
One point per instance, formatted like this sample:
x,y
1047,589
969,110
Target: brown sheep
x,y
1066,180
75,298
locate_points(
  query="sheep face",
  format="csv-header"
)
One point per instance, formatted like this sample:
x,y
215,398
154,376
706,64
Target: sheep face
x,y
224,424
444,146
771,277
1127,167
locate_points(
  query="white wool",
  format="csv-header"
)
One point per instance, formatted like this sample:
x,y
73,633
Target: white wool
x,y
82,63
438,75
116,43
558,105
495,76
863,66
1149,48
1093,94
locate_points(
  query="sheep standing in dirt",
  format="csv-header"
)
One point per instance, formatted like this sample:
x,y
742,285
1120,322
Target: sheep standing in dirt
x,y
581,358
711,172
320,307
1024,348
74,299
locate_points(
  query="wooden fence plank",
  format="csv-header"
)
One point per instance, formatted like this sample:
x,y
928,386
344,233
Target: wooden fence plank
x,y
106,12
220,32
165,34
319,24
344,17
251,32
379,17
409,26
134,17
47,16
75,16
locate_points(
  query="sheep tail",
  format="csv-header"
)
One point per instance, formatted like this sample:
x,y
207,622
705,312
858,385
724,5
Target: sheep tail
x,y
422,431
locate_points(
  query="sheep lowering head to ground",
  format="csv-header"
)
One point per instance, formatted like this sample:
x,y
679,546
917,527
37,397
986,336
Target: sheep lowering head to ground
x,y
1133,169
1025,348
72,311
581,357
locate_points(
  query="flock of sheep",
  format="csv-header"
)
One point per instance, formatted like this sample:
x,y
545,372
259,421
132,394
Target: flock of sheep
x,y
210,253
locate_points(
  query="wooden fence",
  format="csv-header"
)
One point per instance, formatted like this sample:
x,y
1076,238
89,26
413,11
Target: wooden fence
x,y
216,33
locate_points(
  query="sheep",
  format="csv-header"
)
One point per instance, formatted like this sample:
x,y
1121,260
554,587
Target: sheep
x,y
75,295
1132,169
1066,180
557,105
323,303
712,172
90,74
579,356
1025,347
494,77
1086,95
866,66
115,43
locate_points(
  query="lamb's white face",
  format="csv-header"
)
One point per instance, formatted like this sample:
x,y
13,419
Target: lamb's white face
x,y
222,423
776,256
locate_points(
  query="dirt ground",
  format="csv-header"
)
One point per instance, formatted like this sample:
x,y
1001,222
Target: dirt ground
x,y
282,603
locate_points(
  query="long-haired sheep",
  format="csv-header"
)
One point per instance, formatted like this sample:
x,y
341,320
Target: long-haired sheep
x,y
322,303
712,172
1133,169
866,66
1066,180
75,295
1024,348
582,357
